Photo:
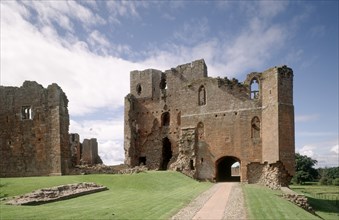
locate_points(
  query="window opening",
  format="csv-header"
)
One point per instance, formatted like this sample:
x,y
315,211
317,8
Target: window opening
x,y
191,165
165,119
255,124
139,89
202,96
26,112
142,160
254,89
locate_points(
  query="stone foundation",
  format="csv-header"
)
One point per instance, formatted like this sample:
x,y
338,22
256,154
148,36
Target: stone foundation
x,y
56,193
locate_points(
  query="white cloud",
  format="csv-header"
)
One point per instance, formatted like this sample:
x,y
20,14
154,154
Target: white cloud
x,y
306,118
111,152
326,154
307,150
335,149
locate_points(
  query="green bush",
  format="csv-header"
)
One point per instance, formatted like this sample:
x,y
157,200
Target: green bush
x,y
335,182
324,181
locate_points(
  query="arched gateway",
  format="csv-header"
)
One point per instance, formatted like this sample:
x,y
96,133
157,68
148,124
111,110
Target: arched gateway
x,y
224,169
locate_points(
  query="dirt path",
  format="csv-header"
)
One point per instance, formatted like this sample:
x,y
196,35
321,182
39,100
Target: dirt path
x,y
221,201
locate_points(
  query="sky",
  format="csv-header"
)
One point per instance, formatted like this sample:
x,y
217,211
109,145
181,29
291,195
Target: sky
x,y
89,48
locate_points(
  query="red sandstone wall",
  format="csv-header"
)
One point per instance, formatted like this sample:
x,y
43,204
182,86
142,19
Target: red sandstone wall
x,y
37,145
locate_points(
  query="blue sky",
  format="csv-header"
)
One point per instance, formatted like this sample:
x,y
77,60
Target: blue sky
x,y
89,48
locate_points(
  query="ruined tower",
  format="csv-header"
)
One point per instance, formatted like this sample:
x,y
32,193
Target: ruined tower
x,y
183,120
34,124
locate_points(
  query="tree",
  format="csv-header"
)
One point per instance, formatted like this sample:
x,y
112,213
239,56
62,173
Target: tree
x,y
304,169
329,176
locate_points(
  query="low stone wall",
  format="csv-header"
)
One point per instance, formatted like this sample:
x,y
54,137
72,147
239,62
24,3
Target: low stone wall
x,y
56,193
137,169
298,199
272,175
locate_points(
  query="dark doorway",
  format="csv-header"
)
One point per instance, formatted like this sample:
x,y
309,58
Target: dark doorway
x,y
166,153
224,169
142,160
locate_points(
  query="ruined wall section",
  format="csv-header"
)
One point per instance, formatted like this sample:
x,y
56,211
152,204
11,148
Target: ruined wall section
x,y
75,146
278,117
89,152
153,98
34,130
273,175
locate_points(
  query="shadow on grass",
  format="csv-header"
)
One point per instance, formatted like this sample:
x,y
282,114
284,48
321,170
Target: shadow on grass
x,y
323,205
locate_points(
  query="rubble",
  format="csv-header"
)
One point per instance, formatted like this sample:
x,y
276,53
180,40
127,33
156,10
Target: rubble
x,y
57,193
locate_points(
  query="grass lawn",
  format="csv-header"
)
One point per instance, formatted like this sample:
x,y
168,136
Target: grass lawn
x,y
264,203
151,195
324,199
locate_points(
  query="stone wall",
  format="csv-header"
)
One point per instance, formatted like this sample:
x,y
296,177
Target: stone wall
x,y
89,152
230,120
272,175
34,137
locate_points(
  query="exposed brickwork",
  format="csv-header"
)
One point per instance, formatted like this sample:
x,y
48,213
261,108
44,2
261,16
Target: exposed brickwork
x,y
187,121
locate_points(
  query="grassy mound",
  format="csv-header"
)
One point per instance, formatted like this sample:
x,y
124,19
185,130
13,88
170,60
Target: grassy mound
x,y
151,195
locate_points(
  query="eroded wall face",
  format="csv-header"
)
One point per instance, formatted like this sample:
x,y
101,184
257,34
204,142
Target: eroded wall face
x,y
34,124
205,119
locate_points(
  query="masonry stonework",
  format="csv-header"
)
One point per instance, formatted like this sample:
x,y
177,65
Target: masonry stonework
x,y
183,120
34,137
34,124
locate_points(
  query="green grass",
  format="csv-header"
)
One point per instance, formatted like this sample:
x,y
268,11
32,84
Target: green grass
x,y
151,195
323,199
264,203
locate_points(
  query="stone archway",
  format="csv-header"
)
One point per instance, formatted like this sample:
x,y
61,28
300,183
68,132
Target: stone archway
x,y
224,169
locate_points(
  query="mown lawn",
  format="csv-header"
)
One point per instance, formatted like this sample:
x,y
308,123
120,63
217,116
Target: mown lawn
x,y
151,195
324,199
264,203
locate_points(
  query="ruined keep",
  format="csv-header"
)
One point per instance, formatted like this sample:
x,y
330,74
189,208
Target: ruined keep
x,y
183,120
34,137
34,124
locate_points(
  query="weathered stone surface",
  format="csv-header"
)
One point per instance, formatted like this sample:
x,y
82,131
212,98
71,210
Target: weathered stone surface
x,y
56,193
183,120
85,153
34,130
273,175
298,199
34,137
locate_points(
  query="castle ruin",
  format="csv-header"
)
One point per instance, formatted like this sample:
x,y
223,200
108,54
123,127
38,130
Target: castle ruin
x,y
34,133
183,120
